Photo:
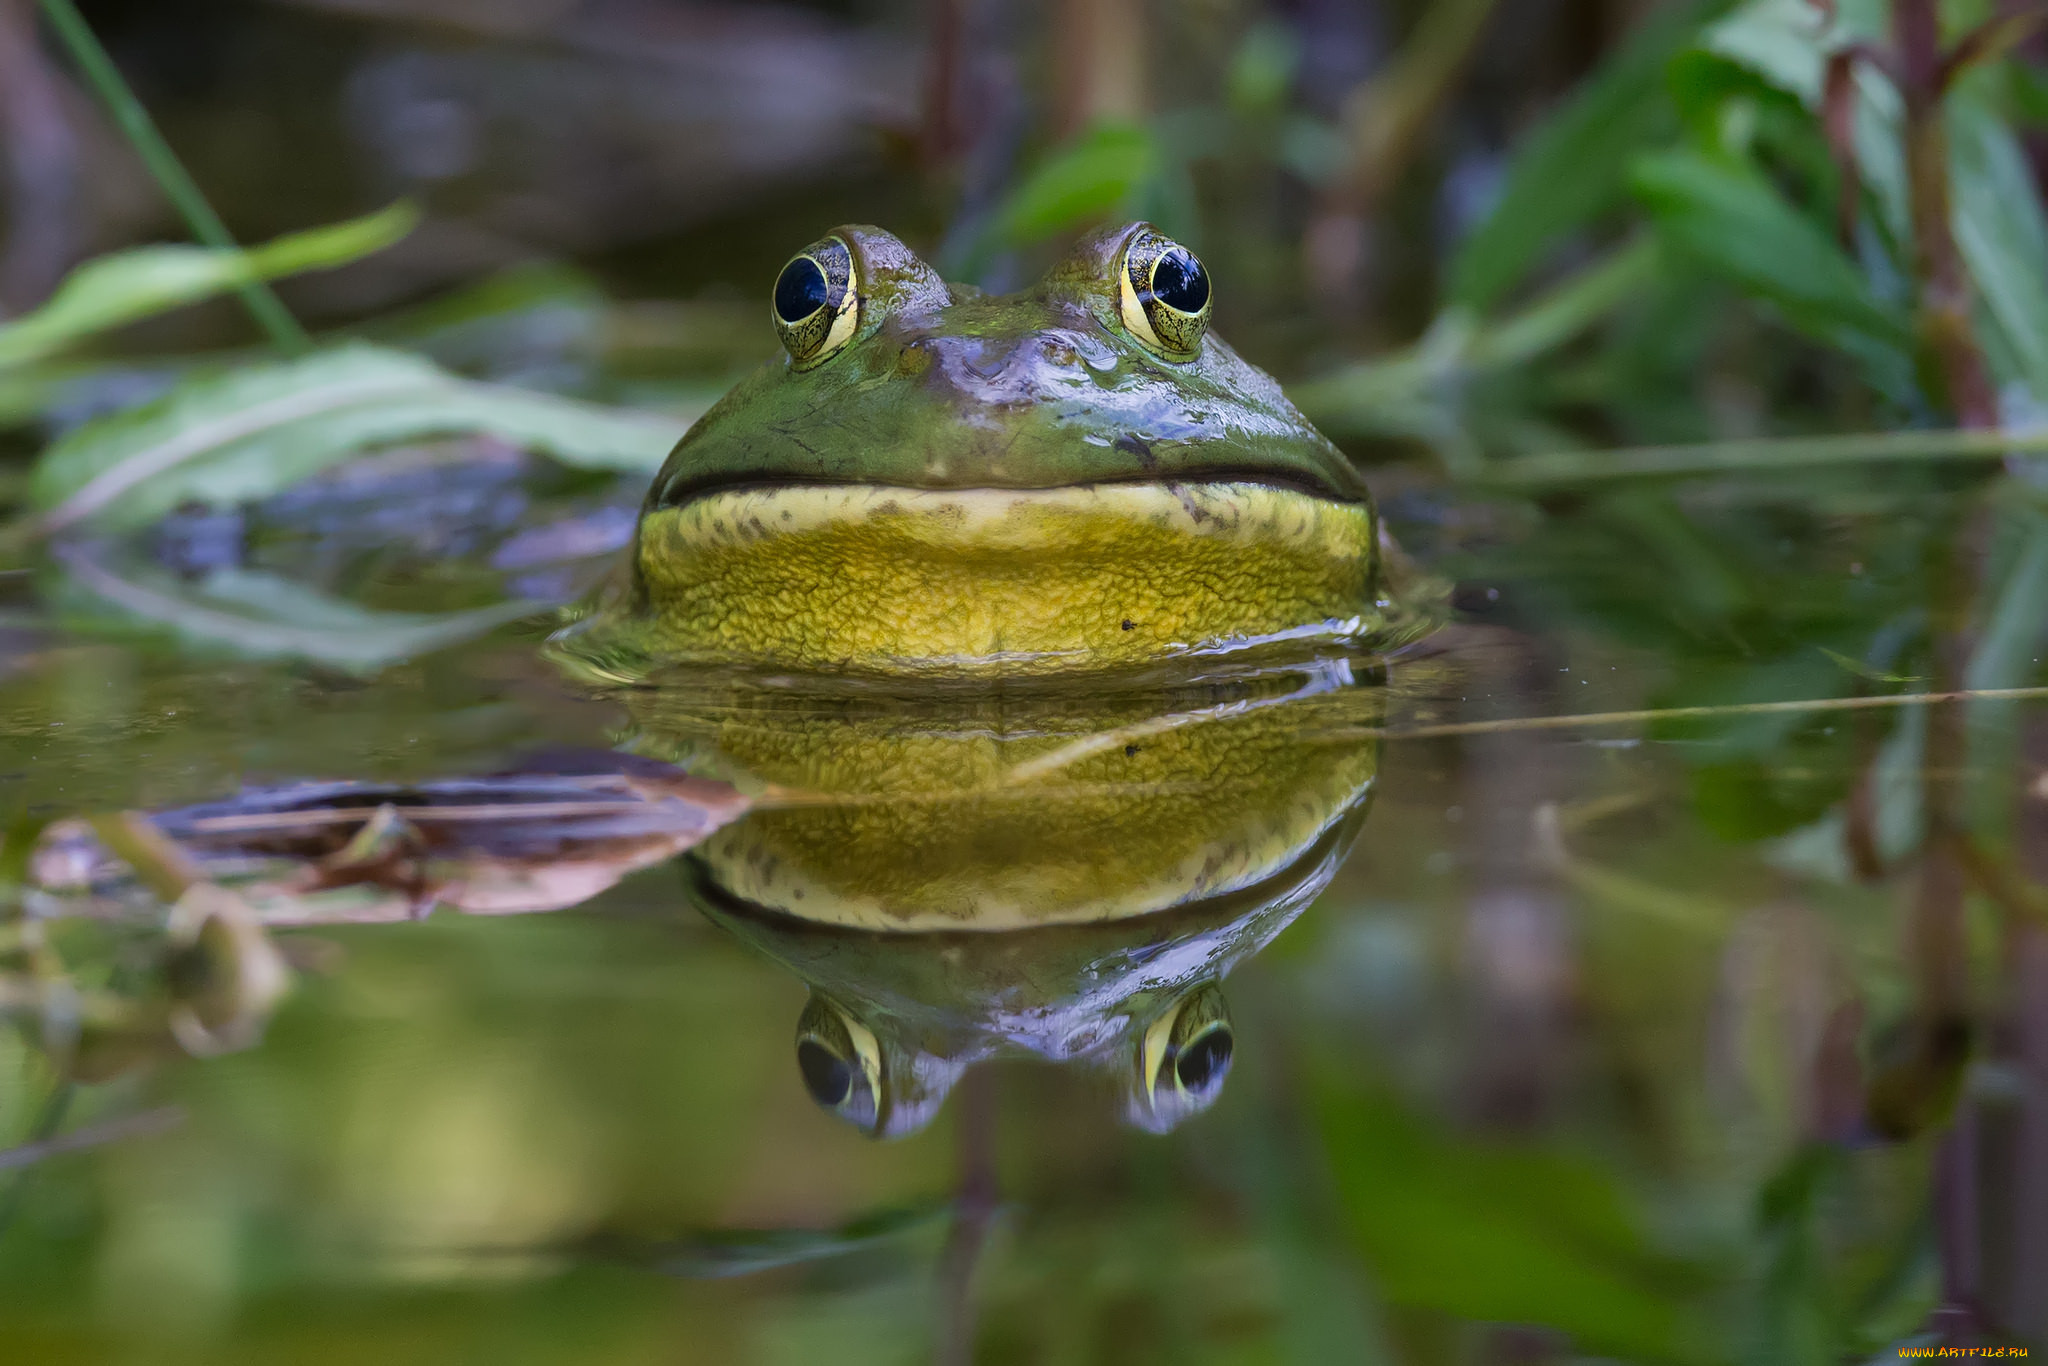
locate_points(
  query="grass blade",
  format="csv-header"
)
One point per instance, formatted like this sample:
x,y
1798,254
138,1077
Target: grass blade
x,y
170,174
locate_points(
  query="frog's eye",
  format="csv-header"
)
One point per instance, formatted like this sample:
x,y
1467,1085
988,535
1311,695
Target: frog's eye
x,y
1200,1066
1183,1058
841,1062
817,302
1165,293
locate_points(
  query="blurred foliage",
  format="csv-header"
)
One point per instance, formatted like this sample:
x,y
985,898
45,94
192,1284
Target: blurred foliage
x,y
504,1139
125,287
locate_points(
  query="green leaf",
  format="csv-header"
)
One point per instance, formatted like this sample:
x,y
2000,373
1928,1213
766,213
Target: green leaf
x,y
247,612
1262,70
27,391
1507,1235
1414,392
1786,44
121,288
2003,236
1999,224
1731,220
1574,168
244,434
1105,169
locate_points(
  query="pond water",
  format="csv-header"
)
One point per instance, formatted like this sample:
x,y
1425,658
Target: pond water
x,y
1537,992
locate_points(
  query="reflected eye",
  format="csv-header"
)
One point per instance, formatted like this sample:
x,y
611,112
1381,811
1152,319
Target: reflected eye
x,y
840,1062
1183,1058
826,1077
1165,291
817,302
1205,1061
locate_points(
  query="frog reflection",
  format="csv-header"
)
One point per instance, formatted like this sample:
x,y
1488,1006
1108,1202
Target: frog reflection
x,y
1180,1066
1024,870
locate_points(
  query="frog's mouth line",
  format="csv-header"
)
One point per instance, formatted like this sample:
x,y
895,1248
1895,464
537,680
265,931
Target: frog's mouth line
x,y
681,494
868,576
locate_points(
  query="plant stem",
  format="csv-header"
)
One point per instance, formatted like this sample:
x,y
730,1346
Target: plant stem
x,y
1770,455
264,306
974,1214
1948,341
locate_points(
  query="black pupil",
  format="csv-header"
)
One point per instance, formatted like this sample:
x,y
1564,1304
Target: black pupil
x,y
1205,1060
1179,281
800,290
826,1077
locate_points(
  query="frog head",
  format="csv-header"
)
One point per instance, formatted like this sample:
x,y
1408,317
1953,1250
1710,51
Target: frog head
x,y
930,478
1103,373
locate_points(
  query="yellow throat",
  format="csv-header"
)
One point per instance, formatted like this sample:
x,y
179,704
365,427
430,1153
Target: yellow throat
x,y
864,576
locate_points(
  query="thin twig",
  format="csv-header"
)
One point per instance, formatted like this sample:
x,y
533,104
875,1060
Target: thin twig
x,y
1988,42
1592,720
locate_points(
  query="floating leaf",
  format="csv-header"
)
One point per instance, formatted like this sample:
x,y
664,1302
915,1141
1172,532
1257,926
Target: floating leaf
x,y
121,288
555,832
242,435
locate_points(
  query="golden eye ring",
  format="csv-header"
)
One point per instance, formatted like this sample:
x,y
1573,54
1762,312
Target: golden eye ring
x,y
1165,296
817,302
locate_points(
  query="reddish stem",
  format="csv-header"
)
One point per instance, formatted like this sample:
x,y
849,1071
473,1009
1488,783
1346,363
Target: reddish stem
x,y
1947,336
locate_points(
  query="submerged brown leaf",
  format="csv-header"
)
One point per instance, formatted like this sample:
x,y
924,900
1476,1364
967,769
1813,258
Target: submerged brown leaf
x,y
554,833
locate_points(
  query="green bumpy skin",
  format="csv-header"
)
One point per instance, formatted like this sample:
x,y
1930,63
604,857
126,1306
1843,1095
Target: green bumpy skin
x,y
977,484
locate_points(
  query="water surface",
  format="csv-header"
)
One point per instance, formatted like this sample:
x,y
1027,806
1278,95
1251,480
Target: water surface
x,y
1609,1036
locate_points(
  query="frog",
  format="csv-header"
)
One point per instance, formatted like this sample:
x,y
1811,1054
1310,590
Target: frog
x,y
931,478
